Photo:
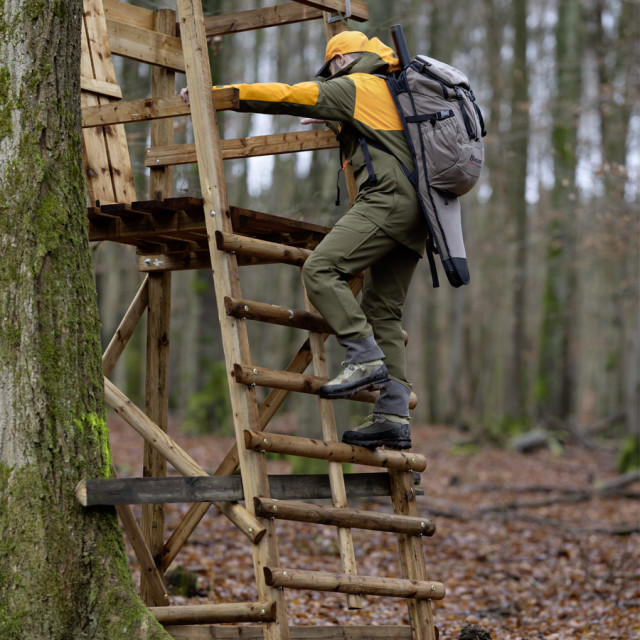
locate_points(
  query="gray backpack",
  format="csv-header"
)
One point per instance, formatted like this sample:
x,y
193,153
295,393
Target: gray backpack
x,y
444,129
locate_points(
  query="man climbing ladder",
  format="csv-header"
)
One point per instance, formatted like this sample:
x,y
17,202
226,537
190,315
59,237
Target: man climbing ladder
x,y
383,234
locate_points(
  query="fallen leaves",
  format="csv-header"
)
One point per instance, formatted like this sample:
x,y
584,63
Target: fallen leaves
x,y
523,546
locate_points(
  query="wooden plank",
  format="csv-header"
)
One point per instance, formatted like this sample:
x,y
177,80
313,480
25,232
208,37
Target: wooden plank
x,y
163,82
103,491
359,8
259,18
273,144
213,632
129,14
119,163
210,613
144,45
174,454
149,109
343,583
100,87
336,451
94,146
156,407
225,275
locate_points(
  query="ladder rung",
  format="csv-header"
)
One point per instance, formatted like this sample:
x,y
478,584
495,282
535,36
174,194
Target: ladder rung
x,y
342,517
210,613
344,583
287,317
255,248
300,382
333,451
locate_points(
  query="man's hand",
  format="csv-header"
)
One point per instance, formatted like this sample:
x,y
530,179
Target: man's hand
x,y
184,94
311,121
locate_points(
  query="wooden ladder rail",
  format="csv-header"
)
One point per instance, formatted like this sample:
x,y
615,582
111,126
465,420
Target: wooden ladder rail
x,y
225,275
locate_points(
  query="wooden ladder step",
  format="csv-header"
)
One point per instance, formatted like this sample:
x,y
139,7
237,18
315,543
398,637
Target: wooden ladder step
x,y
334,451
342,517
274,314
210,613
261,249
362,585
113,491
300,382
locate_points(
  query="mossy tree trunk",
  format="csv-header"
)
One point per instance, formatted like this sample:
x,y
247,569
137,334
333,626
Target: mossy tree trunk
x,y
63,569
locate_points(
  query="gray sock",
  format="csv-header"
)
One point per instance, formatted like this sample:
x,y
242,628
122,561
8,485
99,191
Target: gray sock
x,y
363,350
394,398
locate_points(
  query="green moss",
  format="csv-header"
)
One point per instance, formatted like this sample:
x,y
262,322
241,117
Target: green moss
x,y
6,126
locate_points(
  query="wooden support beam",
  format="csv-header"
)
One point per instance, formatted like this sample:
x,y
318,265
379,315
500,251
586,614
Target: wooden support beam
x,y
126,328
179,458
342,517
278,15
144,45
412,556
129,14
359,8
115,491
211,632
100,87
274,314
273,144
335,451
343,583
211,613
149,109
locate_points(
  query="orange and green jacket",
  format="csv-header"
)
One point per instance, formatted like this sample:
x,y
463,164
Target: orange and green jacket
x,y
361,103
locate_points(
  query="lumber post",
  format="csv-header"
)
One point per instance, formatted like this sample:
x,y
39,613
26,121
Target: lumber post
x,y
225,273
412,556
157,408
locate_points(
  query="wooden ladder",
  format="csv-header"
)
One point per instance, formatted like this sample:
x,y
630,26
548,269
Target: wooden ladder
x,y
207,232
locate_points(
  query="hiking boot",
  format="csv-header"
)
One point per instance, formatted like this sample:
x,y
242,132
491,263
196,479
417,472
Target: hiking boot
x,y
355,377
380,430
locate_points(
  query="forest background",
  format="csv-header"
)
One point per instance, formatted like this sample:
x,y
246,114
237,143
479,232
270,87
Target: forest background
x,y
546,334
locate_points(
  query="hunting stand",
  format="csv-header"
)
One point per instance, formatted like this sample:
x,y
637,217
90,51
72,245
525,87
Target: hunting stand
x,y
208,233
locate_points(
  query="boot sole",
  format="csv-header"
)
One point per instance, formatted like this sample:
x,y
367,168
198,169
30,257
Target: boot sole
x,y
372,385
395,445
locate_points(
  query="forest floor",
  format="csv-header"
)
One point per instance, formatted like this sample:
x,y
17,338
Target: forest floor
x,y
526,544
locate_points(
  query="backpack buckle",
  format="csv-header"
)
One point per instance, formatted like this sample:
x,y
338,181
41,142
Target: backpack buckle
x,y
338,17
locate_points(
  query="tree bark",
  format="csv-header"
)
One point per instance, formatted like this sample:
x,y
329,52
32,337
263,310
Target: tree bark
x,y
557,366
63,569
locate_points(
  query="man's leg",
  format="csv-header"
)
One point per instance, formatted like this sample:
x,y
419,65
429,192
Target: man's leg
x,y
352,246
384,294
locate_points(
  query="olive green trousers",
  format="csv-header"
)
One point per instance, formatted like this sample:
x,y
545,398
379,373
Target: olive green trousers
x,y
354,245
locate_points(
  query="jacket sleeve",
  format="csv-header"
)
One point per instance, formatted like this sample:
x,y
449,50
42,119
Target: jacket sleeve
x,y
325,100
